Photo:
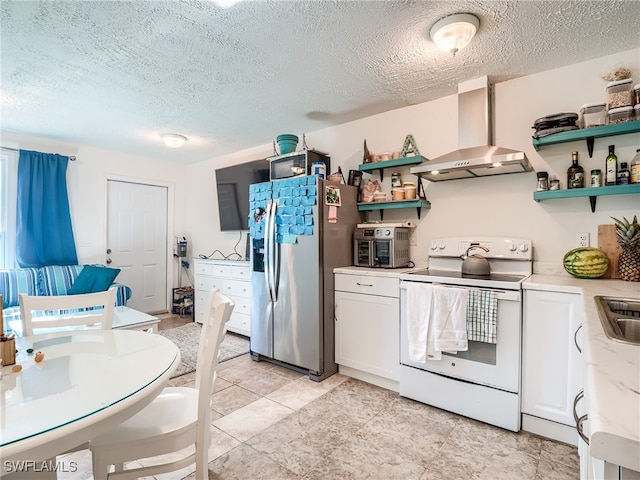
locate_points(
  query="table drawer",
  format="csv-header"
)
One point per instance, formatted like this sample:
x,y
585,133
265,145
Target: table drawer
x,y
367,284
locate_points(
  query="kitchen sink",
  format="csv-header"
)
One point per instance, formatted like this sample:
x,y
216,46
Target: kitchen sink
x,y
620,318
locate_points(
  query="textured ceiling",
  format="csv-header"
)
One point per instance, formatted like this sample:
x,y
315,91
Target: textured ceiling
x,y
117,74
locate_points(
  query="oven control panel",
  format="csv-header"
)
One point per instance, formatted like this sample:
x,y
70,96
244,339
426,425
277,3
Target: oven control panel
x,y
489,247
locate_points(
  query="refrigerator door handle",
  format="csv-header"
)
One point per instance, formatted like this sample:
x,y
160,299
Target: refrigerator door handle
x,y
273,261
275,254
267,242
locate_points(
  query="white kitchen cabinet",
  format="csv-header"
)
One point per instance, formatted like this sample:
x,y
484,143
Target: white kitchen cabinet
x,y
233,278
551,363
367,314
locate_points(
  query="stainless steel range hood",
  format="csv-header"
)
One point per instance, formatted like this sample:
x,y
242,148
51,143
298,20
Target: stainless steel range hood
x,y
476,156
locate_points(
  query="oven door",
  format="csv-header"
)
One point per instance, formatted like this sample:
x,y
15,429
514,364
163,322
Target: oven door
x,y
496,365
383,253
362,253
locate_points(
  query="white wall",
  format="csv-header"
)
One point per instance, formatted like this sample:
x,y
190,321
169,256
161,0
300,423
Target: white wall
x,y
87,185
501,205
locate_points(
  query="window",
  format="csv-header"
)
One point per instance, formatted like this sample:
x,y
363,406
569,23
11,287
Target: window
x,y
8,192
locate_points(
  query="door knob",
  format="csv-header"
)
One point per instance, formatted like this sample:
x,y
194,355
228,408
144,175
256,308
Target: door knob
x,y
109,261
108,251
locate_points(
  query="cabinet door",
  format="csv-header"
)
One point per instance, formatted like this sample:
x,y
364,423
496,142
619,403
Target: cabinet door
x,y
367,333
551,366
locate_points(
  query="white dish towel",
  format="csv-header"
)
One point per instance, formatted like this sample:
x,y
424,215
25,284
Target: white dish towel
x,y
449,319
419,306
436,320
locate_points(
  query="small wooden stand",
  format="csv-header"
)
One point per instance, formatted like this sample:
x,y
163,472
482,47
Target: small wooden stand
x,y
8,352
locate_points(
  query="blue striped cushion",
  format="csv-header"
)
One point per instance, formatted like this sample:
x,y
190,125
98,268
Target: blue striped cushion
x,y
15,281
57,279
123,293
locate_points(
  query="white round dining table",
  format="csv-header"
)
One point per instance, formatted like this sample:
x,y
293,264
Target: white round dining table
x,y
87,382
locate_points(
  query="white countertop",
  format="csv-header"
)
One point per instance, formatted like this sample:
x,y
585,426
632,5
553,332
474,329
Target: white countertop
x,y
375,272
612,371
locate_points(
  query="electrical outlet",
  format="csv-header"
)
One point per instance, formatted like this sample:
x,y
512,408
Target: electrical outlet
x,y
413,237
582,239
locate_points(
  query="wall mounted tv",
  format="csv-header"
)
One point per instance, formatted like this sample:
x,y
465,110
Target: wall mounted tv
x,y
233,192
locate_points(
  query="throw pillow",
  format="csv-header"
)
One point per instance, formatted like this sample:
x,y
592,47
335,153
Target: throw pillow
x,y
93,279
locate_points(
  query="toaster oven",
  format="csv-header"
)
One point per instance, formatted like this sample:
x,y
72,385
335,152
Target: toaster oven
x,y
381,246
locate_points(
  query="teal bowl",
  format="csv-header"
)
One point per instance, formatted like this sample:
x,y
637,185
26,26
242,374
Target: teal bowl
x,y
287,143
287,136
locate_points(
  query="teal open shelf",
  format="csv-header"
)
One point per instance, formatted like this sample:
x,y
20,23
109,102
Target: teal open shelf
x,y
398,162
592,193
381,206
588,133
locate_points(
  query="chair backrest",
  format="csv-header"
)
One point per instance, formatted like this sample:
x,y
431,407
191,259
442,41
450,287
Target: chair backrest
x,y
64,311
217,313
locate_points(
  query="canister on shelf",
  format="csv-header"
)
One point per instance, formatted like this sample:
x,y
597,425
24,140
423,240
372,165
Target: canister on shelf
x,y
620,115
543,181
554,183
397,193
620,94
396,180
596,178
410,190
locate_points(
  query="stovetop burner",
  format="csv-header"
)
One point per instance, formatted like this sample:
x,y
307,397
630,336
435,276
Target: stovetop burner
x,y
493,277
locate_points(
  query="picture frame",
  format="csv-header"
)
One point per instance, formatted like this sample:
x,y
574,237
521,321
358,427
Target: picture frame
x,y
332,196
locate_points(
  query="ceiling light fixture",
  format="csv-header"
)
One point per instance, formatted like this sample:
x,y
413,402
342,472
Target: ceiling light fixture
x,y
173,140
454,32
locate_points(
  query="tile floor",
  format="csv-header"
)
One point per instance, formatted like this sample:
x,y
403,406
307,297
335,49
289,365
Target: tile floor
x,y
272,423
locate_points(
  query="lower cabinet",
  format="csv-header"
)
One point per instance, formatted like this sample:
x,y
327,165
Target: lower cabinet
x,y
367,328
233,278
551,363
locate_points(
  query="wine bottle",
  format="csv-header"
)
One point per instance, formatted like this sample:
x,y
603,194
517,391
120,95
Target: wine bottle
x,y
575,173
611,167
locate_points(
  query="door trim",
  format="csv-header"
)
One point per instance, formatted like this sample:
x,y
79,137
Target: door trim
x,y
170,219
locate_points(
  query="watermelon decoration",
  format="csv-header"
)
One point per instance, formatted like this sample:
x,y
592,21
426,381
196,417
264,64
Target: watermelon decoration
x,y
586,262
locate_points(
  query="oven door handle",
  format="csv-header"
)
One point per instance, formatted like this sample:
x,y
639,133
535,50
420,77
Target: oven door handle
x,y
509,295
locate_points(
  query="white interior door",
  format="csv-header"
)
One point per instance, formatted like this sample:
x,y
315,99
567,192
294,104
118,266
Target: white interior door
x,y
137,241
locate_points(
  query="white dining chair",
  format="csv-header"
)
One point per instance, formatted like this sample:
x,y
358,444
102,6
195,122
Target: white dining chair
x,y
40,313
178,418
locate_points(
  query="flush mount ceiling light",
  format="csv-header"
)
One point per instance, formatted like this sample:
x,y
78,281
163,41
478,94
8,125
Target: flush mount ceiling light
x,y
454,32
173,140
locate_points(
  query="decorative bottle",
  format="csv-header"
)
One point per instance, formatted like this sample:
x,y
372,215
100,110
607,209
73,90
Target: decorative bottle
x,y
635,166
575,173
611,167
623,174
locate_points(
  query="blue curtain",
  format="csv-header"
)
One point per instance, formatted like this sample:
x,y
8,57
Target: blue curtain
x,y
44,235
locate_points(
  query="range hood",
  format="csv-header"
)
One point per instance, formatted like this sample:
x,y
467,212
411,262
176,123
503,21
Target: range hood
x,y
476,156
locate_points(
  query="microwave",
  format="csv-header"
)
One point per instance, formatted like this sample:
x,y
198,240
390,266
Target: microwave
x,y
296,164
381,246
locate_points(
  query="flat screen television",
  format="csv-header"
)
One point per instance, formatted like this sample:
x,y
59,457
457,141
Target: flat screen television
x,y
232,184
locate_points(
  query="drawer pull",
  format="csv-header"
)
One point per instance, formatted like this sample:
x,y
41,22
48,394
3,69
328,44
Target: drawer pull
x,y
575,405
364,284
580,428
575,338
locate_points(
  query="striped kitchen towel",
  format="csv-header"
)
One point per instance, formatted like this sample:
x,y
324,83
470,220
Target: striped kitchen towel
x,y
482,314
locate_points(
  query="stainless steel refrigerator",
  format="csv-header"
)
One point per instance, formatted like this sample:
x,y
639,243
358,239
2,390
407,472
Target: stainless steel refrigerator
x,y
297,241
